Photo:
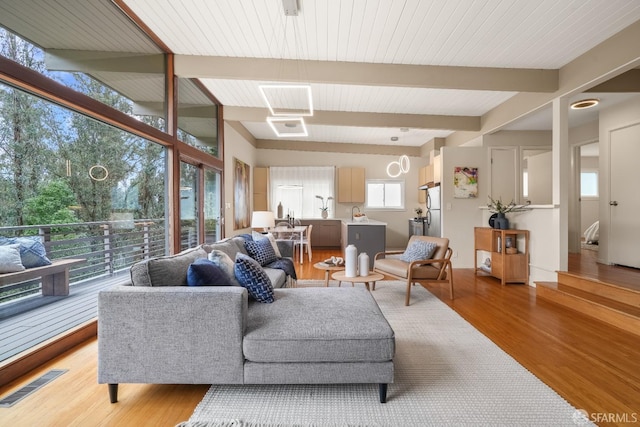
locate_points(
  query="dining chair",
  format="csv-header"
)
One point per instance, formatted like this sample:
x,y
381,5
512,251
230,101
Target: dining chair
x,y
306,241
283,235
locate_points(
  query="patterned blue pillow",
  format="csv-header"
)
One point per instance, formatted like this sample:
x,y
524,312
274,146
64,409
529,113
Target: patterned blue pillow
x,y
251,276
203,272
417,250
32,251
261,250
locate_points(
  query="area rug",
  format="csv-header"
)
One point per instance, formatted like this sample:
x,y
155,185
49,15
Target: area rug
x,y
446,373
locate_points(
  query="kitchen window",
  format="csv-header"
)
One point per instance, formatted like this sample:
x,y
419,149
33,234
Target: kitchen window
x,y
385,194
296,188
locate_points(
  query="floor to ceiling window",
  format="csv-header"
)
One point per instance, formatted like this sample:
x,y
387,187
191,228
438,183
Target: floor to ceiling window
x,y
86,148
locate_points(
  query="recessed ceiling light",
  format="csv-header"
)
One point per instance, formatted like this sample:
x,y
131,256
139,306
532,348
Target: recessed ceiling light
x,y
584,103
394,138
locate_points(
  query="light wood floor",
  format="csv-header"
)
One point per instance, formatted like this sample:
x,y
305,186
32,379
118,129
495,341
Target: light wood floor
x,y
593,366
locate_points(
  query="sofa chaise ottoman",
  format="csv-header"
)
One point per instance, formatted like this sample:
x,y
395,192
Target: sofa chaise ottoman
x,y
216,335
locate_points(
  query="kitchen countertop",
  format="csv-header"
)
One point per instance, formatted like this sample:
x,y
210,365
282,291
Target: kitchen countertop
x,y
369,221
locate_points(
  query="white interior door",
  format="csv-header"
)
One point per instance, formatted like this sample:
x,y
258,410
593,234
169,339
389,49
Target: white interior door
x,y
624,204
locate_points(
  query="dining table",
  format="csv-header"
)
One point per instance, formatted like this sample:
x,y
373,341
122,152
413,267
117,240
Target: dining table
x,y
298,231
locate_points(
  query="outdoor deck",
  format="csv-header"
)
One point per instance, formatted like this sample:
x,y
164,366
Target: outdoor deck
x,y
36,319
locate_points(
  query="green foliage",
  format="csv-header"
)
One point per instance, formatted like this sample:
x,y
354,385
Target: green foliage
x,y
51,205
498,206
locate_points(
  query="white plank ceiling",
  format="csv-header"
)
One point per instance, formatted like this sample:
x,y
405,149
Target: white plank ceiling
x,y
502,34
543,34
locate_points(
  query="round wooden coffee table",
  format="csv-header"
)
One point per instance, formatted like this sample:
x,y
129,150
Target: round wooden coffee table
x,y
371,278
327,268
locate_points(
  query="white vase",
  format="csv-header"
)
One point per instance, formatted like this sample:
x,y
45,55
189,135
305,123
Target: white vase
x,y
325,214
351,261
363,261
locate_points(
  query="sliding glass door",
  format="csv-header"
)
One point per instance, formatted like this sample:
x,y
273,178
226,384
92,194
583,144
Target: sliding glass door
x,y
212,209
189,229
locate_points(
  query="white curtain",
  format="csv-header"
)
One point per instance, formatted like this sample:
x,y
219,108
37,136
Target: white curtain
x,y
297,187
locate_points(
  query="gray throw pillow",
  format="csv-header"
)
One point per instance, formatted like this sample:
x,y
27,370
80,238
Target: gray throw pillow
x,y
10,259
222,260
170,270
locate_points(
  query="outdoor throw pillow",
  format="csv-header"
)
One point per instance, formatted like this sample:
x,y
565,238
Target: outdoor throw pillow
x,y
261,251
203,272
259,236
224,262
32,251
417,250
10,259
251,276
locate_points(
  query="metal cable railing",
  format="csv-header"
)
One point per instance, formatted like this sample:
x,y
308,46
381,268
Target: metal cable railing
x,y
108,247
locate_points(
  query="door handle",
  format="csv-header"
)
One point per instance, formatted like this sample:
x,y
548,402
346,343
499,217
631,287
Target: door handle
x,y
613,203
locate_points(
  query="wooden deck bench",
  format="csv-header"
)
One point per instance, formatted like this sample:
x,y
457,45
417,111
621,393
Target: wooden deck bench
x,y
55,277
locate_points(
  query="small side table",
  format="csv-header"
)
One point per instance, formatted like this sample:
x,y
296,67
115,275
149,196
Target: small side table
x,y
371,278
327,268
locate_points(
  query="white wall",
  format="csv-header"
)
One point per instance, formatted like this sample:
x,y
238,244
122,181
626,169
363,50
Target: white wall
x,y
235,146
375,168
460,216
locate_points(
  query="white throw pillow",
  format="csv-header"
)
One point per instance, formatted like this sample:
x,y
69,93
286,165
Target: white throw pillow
x,y
10,261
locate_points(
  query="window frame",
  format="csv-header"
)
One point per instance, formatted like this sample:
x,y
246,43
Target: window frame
x,y
597,174
386,181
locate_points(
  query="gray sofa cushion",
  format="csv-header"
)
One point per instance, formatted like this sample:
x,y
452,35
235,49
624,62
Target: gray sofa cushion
x,y
170,270
228,246
318,325
278,277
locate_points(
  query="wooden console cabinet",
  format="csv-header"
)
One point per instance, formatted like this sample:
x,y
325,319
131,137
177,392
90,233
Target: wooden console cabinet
x,y
508,251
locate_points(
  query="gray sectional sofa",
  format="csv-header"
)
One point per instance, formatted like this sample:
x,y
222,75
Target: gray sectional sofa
x,y
157,330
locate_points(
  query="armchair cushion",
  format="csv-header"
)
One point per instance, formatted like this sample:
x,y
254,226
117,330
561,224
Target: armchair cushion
x,y
399,268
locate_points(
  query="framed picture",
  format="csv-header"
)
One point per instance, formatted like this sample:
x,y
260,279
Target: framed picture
x,y
241,194
465,182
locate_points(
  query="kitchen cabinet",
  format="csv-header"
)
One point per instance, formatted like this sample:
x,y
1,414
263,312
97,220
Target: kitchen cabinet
x,y
508,251
260,187
425,175
326,232
369,237
351,185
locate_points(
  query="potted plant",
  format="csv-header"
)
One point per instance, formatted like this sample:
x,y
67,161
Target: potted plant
x,y
500,209
325,206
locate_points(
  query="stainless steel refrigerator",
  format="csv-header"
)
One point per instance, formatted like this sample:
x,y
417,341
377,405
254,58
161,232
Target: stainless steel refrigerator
x,y
432,222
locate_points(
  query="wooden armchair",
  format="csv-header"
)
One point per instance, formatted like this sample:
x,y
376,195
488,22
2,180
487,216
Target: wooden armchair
x,y
436,269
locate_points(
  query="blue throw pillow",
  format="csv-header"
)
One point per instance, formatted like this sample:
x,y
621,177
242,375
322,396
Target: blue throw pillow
x,y
203,272
251,276
32,251
417,250
261,250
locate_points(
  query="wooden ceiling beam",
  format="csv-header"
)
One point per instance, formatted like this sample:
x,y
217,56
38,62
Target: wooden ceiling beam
x,y
368,74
